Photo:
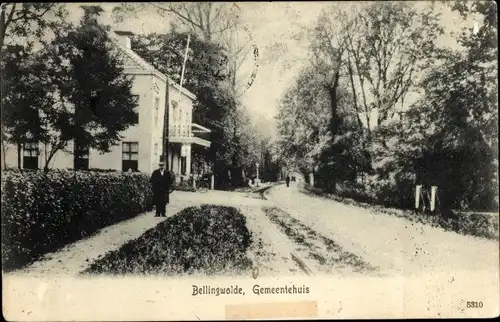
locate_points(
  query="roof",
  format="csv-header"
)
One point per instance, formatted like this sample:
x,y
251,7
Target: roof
x,y
143,64
124,33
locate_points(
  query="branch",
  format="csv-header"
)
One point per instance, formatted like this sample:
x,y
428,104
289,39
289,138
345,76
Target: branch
x,y
180,15
26,14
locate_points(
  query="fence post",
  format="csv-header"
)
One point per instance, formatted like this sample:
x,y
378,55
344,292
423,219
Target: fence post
x,y
311,179
433,197
417,196
212,182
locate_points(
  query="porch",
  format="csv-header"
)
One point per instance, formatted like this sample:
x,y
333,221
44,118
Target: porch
x,y
188,150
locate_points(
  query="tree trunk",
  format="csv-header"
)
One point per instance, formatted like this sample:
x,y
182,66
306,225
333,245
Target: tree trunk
x,y
334,123
19,155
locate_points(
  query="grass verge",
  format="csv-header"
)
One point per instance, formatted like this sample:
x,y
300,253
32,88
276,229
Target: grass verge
x,y
205,240
328,256
482,225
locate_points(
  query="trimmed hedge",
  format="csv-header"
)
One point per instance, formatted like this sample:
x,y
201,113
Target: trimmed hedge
x,y
43,211
206,240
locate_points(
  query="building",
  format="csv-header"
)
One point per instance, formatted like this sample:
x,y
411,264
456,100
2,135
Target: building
x,y
141,148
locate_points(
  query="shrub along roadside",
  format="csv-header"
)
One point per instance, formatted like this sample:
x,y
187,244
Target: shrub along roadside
x,y
199,240
478,224
42,212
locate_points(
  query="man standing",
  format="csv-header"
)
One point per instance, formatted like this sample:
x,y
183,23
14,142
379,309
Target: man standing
x,y
287,180
160,183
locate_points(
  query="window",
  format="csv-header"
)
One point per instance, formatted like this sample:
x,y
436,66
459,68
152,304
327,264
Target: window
x,y
156,148
174,109
30,155
136,109
81,157
130,156
157,110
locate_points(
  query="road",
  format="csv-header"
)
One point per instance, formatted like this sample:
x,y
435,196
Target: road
x,y
298,234
393,245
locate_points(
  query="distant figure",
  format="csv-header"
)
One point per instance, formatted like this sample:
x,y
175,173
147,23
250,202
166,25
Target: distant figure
x,y
160,184
288,181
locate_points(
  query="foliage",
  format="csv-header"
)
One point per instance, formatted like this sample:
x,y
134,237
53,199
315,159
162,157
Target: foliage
x,y
73,89
458,118
94,101
199,240
22,97
43,211
19,21
205,65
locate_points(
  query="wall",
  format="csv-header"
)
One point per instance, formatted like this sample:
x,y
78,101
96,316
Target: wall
x,y
183,113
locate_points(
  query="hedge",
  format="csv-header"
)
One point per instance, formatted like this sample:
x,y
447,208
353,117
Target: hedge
x,y
43,211
203,240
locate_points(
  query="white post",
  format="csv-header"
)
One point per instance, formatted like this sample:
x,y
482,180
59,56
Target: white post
x,y
212,182
311,179
417,195
433,197
188,159
257,180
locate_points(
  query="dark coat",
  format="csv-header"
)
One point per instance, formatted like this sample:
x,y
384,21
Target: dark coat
x,y
160,185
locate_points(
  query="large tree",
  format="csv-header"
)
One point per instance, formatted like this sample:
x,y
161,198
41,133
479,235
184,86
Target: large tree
x,y
93,101
457,118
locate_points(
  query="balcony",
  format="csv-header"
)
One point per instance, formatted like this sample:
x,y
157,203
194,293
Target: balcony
x,y
188,134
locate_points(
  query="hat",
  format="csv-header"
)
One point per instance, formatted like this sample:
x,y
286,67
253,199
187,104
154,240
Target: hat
x,y
161,163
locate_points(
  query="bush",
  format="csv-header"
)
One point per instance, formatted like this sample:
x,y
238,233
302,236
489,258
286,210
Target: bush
x,y
42,212
199,240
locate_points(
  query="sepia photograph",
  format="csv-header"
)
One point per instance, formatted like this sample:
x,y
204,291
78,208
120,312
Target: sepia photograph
x,y
169,161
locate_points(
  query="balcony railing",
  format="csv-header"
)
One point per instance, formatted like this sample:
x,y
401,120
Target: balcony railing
x,y
180,130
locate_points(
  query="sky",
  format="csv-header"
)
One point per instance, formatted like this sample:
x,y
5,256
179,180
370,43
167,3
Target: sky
x,y
272,27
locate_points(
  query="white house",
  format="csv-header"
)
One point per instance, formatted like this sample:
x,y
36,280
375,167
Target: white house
x,y
141,148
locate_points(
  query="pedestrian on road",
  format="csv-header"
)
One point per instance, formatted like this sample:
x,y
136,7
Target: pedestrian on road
x,y
288,181
160,184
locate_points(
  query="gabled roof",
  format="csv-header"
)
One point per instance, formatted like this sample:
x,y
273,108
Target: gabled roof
x,y
145,65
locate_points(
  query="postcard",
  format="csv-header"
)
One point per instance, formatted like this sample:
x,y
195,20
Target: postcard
x,y
166,161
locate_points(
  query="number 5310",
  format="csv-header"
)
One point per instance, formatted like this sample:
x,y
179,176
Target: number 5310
x,y
474,304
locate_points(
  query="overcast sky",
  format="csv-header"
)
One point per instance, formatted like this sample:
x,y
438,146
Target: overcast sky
x,y
273,26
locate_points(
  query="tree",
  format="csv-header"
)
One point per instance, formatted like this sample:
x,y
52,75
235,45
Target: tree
x,y
23,95
24,19
205,65
460,113
93,102
208,20
215,23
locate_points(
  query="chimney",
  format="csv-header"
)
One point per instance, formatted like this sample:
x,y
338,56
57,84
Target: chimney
x,y
124,38
92,12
